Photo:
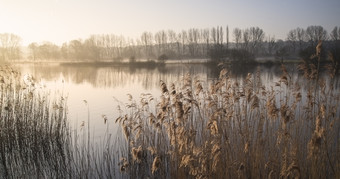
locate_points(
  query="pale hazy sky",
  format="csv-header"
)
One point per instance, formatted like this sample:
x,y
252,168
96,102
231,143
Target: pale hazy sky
x,y
60,21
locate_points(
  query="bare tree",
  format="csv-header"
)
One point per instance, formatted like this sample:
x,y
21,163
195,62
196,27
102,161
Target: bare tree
x,y
206,38
218,35
48,51
237,37
193,36
178,44
184,36
271,45
316,33
292,39
172,36
90,49
221,35
76,49
256,38
9,46
335,45
301,36
227,34
33,47
158,41
64,51
281,50
214,35
246,39
146,40
335,34
161,40
164,40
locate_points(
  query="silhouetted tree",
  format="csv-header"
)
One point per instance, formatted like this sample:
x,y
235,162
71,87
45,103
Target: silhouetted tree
x,y
271,45
146,40
335,33
64,51
191,43
282,50
184,38
246,39
256,38
206,38
213,35
193,36
9,46
227,34
292,40
33,47
315,33
48,51
237,37
301,36
334,52
75,50
221,35
91,49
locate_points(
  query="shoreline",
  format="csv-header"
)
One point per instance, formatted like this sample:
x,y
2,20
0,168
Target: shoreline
x,y
150,63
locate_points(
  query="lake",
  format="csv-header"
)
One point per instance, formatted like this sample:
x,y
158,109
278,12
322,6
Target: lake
x,y
257,110
96,91
104,88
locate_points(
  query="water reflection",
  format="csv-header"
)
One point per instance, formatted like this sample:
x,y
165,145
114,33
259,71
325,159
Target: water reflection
x,y
101,86
111,77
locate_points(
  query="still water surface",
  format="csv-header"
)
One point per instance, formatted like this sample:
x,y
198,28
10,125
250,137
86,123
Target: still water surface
x,y
104,88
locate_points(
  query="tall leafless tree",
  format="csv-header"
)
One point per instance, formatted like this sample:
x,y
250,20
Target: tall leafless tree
x,y
227,36
292,39
206,38
271,45
301,36
315,34
9,46
335,33
246,39
146,40
256,38
237,33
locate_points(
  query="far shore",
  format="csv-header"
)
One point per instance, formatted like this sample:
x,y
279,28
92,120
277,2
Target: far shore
x,y
145,62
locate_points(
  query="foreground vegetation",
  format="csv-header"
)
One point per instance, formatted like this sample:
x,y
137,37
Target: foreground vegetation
x,y
33,133
234,128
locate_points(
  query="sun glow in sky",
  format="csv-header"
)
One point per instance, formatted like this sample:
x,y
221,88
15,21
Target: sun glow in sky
x,y
60,21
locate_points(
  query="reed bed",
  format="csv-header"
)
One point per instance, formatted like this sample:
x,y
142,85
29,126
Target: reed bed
x,y
33,129
36,140
236,129
226,128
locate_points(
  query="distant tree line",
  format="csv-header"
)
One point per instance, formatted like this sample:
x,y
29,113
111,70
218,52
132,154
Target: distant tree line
x,y
216,43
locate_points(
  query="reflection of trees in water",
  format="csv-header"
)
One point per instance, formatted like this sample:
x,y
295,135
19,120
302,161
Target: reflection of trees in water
x,y
242,70
148,78
110,77
125,76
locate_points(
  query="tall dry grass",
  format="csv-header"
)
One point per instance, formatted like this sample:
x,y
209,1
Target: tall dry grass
x,y
226,128
36,140
33,129
236,129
